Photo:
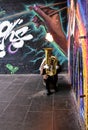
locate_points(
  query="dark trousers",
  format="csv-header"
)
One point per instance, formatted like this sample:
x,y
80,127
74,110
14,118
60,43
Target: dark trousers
x,y
51,80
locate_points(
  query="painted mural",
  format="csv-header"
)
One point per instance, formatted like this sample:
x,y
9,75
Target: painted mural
x,y
78,55
23,28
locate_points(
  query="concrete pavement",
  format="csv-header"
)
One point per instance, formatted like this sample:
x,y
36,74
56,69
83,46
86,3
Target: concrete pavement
x,y
24,104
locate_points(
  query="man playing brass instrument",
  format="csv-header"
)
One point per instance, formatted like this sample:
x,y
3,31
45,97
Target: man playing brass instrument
x,y
49,69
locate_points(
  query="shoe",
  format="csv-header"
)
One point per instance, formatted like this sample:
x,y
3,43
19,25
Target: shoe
x,y
49,93
56,90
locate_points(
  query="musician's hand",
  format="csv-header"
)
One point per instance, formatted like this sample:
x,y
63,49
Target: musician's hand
x,y
57,67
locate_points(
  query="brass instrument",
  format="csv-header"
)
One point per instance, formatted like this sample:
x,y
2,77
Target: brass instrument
x,y
50,62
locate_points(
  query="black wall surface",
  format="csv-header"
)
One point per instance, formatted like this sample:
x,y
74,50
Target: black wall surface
x,y
19,53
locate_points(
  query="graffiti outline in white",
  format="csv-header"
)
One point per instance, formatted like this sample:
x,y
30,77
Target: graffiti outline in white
x,y
16,37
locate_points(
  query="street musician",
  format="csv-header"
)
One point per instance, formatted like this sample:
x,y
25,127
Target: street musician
x,y
49,69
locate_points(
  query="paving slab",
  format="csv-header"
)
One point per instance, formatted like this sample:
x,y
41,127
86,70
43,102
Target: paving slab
x,y
24,104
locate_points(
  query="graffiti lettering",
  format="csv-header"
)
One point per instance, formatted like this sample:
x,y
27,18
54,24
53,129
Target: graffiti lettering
x,y
16,36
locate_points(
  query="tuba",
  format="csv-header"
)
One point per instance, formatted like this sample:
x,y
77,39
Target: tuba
x,y
50,62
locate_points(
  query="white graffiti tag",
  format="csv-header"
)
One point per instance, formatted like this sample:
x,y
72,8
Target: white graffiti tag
x,y
16,37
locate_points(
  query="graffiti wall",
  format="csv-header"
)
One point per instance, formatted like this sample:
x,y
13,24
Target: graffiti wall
x,y
79,57
23,28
